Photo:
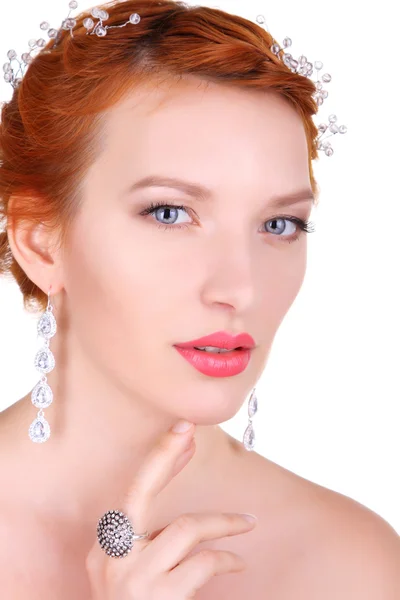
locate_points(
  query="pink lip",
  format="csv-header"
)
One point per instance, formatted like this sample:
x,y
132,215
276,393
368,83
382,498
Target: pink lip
x,y
222,339
217,365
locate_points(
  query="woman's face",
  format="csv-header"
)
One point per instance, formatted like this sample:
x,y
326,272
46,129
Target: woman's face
x,y
137,284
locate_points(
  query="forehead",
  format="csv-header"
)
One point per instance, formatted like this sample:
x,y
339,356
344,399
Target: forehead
x,y
208,130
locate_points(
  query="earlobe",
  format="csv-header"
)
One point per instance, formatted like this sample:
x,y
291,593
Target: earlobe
x,y
30,245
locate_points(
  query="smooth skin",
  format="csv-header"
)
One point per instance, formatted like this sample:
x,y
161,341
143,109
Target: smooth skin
x,y
125,290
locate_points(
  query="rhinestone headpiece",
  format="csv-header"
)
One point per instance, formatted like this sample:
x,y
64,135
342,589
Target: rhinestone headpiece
x,y
302,66
14,74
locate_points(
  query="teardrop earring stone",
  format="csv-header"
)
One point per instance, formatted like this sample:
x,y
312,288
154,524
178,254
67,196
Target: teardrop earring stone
x,y
249,439
253,404
42,395
44,360
47,325
39,431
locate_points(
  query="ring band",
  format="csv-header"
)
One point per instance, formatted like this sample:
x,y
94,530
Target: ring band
x,y
115,534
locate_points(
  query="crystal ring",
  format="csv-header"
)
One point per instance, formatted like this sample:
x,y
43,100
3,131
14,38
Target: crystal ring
x,y
115,534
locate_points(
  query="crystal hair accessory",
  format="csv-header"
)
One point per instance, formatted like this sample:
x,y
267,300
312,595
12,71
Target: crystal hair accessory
x,y
302,66
14,74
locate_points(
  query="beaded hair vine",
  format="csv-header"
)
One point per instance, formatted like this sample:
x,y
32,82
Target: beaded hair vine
x,y
13,74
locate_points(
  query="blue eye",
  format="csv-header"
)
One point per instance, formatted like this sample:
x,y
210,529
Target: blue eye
x,y
281,227
170,213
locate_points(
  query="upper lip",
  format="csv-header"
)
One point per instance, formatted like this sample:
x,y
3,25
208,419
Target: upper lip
x,y
222,339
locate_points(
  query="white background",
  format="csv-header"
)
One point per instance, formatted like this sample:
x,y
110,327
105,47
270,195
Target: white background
x,y
329,398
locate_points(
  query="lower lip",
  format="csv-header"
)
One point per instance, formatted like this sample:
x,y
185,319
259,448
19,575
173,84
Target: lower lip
x,y
215,364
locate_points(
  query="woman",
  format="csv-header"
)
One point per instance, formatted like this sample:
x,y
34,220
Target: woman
x,y
154,184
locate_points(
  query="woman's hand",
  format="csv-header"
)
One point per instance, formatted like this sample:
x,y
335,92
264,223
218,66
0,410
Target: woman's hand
x,y
159,568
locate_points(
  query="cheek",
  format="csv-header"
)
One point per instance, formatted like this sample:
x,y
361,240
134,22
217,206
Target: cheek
x,y
283,283
113,261
122,283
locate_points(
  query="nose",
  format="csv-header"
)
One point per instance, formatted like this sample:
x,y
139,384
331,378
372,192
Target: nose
x,y
232,275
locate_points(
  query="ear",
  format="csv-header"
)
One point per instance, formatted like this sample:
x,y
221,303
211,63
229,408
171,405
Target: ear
x,y
33,247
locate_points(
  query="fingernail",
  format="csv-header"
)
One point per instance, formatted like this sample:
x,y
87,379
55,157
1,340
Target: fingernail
x,y
250,518
182,426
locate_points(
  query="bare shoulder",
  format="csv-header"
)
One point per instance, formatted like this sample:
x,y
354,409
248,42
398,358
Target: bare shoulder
x,y
352,553
335,546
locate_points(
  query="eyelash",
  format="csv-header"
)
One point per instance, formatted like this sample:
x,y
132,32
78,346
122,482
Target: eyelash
x,y
304,226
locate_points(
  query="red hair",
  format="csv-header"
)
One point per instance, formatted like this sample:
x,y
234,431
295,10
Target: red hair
x,y
48,129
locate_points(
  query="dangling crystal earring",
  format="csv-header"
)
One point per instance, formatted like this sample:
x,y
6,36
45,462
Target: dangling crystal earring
x,y
42,396
249,438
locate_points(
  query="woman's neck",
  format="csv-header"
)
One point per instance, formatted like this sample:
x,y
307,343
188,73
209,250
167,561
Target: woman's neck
x,y
99,438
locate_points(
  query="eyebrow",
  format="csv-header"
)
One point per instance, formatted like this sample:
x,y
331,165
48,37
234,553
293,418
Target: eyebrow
x,y
203,193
